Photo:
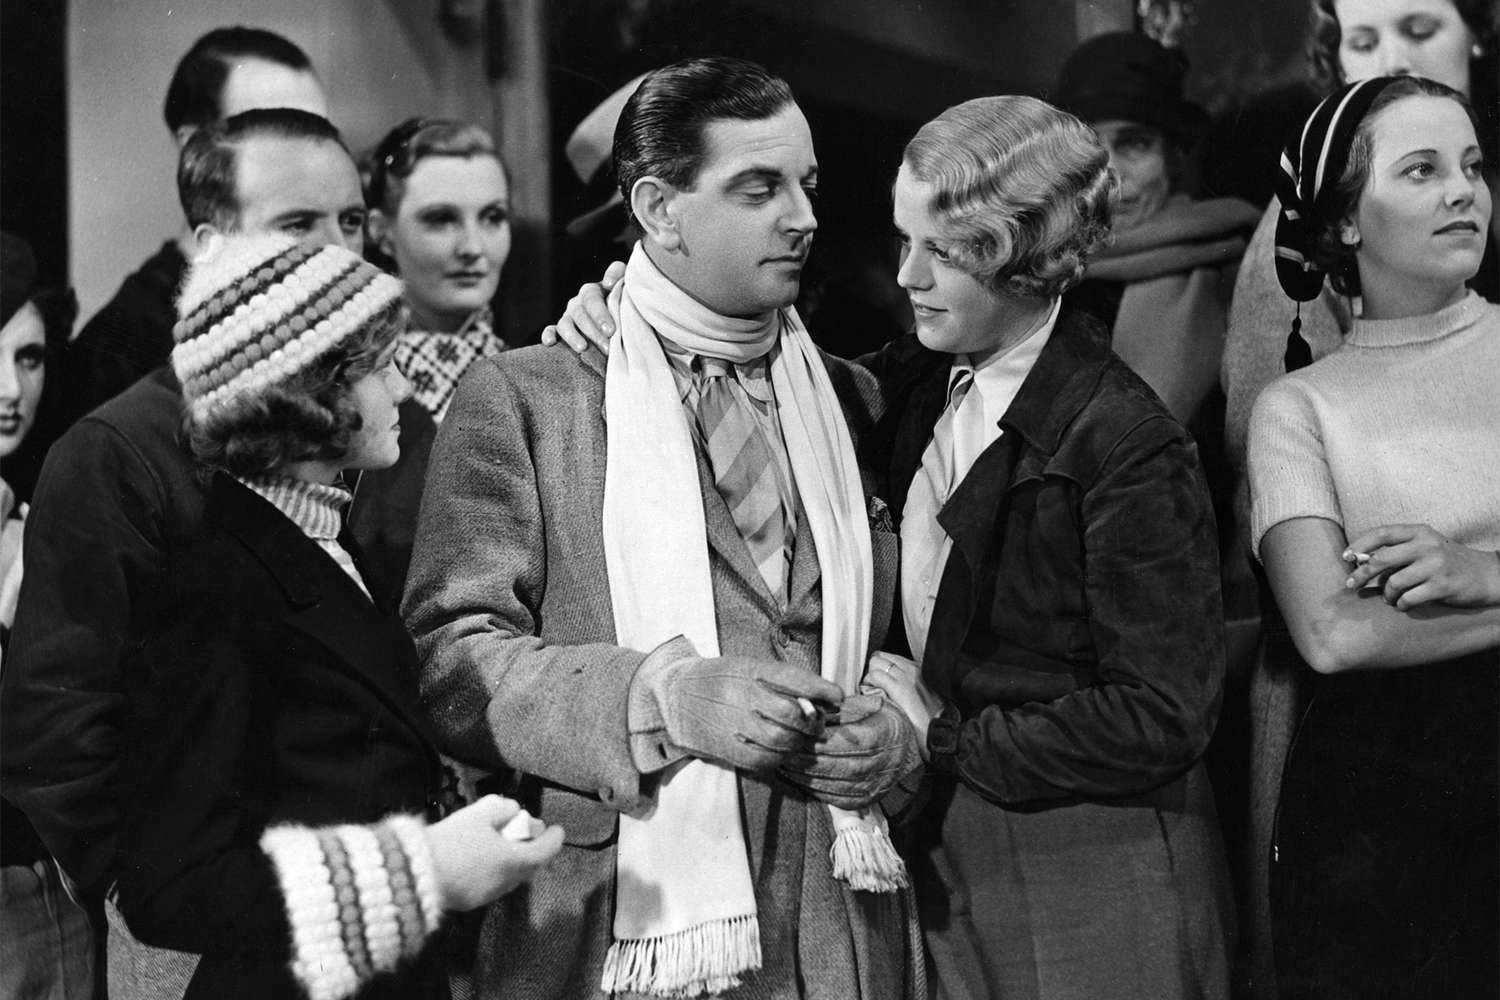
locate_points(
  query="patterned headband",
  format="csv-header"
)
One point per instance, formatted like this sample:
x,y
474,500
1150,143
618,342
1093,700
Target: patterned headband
x,y
1305,182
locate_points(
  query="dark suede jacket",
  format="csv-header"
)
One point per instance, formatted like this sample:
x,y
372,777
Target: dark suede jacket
x,y
1078,625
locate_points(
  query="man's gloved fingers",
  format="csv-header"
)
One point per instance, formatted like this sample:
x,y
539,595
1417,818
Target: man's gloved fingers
x,y
793,683
777,739
859,707
844,796
787,716
758,756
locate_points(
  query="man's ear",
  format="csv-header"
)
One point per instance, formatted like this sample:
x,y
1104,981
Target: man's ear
x,y
205,235
651,202
378,232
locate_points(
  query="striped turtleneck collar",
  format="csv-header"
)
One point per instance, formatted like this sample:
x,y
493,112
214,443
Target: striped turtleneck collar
x,y
315,508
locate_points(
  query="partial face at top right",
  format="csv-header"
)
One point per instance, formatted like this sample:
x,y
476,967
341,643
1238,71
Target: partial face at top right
x,y
747,223
1404,38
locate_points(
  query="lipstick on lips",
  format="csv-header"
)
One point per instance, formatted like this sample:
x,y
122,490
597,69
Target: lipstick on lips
x,y
1466,226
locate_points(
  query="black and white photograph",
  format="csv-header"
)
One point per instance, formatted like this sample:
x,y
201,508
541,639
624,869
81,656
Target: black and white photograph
x,y
749,499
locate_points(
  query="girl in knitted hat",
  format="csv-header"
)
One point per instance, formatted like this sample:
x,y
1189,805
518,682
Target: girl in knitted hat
x,y
280,807
1375,507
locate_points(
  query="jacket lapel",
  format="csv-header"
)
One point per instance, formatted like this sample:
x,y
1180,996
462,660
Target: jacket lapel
x,y
323,602
723,535
805,571
1059,385
919,416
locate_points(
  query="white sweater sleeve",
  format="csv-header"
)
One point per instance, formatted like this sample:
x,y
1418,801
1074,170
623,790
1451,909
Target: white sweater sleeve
x,y
1287,464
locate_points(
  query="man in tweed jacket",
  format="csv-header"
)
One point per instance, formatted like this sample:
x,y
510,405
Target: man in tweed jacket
x,y
510,603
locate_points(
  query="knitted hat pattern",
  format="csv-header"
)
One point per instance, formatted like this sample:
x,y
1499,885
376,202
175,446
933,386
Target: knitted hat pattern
x,y
256,311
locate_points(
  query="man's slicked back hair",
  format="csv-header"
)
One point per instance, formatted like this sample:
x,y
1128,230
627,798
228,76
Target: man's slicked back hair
x,y
194,95
206,170
661,132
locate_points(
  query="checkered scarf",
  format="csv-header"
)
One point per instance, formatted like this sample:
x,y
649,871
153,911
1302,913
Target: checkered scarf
x,y
434,362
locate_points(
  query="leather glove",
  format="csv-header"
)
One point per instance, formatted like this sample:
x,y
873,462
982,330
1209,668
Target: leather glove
x,y
866,748
739,711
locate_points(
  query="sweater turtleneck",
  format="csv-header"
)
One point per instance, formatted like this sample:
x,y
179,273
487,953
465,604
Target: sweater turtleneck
x,y
1379,333
317,511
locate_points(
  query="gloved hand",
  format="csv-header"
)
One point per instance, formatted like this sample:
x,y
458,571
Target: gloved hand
x,y
866,749
739,711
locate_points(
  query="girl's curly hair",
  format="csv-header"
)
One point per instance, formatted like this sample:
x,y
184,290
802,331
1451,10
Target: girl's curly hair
x,y
1023,189
308,417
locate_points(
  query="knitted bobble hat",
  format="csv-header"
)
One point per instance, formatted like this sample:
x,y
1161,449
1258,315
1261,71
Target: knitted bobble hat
x,y
256,311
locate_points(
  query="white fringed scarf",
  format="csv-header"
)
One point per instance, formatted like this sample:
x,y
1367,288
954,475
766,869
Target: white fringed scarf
x,y
685,918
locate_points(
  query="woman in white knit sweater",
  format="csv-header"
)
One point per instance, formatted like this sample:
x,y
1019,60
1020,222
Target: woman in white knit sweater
x,y
1375,493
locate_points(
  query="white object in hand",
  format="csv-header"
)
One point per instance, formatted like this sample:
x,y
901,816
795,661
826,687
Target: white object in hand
x,y
519,827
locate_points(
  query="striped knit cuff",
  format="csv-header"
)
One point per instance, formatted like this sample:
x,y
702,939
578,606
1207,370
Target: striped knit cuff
x,y
359,899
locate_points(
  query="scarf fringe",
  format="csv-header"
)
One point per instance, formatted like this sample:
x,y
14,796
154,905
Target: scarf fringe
x,y
865,859
704,959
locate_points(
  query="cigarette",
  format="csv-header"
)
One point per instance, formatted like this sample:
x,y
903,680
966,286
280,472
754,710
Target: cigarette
x,y
809,710
1359,558
518,828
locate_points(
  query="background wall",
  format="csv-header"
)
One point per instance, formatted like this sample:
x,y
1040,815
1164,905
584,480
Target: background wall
x,y
379,62
866,71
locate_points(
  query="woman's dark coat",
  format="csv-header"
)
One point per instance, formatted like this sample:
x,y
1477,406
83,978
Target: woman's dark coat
x,y
265,689
1078,628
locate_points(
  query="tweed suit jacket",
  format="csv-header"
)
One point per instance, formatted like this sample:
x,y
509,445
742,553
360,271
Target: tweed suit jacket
x,y
508,600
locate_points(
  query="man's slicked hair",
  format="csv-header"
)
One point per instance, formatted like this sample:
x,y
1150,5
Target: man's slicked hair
x,y
661,130
206,170
194,95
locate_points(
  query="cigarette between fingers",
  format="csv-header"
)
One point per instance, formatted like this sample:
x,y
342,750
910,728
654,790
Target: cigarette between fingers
x,y
808,709
518,828
1358,558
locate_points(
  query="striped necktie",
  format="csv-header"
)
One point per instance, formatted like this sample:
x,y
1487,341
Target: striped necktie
x,y
745,471
924,544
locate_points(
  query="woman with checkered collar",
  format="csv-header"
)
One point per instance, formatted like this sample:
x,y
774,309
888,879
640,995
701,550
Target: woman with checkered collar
x,y
440,214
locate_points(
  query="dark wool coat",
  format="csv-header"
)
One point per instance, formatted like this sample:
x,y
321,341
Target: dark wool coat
x,y
117,496
1075,851
508,599
129,337
265,689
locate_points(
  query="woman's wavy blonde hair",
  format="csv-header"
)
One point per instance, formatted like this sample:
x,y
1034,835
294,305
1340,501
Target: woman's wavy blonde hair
x,y
1024,192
